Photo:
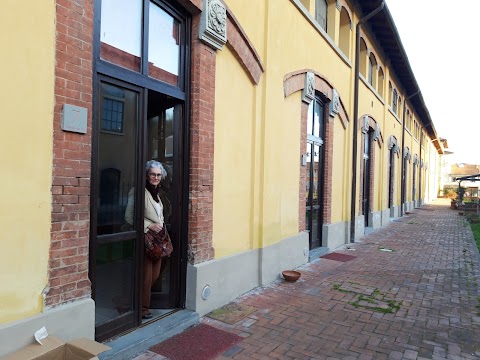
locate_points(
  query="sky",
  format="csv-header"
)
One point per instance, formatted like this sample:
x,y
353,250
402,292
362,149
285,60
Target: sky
x,y
440,38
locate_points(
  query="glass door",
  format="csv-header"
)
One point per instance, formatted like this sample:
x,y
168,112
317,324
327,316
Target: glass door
x,y
391,179
366,178
114,242
314,181
164,119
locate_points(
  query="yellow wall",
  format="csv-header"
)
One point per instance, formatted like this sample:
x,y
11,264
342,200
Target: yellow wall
x,y
26,147
234,157
257,129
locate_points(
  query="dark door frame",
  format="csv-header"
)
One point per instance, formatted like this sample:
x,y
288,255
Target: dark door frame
x,y
367,176
391,162
103,70
319,208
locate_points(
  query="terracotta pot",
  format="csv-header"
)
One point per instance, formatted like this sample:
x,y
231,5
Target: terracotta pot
x,y
291,275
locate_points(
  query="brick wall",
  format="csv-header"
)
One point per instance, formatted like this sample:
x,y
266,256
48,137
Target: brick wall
x,y
303,170
200,217
69,251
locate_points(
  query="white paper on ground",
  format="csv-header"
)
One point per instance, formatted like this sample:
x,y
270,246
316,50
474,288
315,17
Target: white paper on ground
x,y
40,335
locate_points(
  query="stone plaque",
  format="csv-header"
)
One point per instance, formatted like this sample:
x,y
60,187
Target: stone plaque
x,y
74,119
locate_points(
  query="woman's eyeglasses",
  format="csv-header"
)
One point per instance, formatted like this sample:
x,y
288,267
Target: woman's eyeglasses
x,y
153,175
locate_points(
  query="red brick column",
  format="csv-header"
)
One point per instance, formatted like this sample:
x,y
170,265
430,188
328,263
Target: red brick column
x,y
328,196
200,215
68,267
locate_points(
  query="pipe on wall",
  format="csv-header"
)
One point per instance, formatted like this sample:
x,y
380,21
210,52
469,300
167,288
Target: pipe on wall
x,y
404,181
355,116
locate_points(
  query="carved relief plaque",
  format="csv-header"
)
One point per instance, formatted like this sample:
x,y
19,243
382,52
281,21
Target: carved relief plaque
x,y
213,24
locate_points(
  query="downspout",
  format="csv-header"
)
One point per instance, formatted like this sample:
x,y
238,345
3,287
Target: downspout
x,y
420,172
355,116
403,185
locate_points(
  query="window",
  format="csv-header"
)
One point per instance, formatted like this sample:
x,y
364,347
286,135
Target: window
x,y
381,80
321,7
345,31
363,58
122,38
390,93
372,70
113,109
394,101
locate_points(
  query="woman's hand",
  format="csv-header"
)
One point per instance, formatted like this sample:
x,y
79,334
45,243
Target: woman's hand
x,y
155,227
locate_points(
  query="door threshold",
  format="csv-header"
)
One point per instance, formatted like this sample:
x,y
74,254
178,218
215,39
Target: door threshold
x,y
158,314
156,330
314,254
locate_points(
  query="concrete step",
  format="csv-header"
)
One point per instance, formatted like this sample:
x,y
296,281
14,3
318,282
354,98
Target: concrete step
x,y
129,345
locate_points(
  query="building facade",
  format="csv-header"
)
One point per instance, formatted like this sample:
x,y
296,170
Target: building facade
x,y
283,128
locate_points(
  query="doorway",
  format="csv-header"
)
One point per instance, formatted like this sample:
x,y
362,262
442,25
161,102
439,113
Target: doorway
x,y
141,86
315,172
367,178
391,178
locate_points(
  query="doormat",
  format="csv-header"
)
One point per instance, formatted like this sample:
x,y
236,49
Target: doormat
x,y
232,313
201,342
338,257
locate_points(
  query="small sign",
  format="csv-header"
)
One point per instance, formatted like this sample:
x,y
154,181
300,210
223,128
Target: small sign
x,y
74,119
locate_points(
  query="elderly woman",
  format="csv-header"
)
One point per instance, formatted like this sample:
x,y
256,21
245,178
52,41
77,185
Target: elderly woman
x,y
153,220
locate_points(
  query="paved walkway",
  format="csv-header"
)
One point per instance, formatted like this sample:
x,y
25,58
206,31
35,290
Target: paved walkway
x,y
418,298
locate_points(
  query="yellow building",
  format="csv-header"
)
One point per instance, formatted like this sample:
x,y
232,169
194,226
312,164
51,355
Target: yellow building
x,y
286,129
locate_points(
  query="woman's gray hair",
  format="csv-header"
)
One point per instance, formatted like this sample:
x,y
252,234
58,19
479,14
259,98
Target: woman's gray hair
x,y
157,165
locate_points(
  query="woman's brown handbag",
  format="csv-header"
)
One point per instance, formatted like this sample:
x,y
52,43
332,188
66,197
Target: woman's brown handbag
x,y
158,245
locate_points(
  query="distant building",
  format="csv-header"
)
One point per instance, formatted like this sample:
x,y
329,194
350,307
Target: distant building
x,y
454,171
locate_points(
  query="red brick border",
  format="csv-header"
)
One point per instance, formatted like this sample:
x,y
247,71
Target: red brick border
x,y
294,82
69,250
200,217
371,125
243,49
392,142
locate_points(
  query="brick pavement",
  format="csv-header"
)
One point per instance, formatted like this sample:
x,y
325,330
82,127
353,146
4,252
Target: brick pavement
x,y
419,301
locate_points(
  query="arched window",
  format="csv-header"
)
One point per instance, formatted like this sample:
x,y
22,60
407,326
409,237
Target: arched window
x,y
363,58
395,101
390,93
372,71
321,7
381,81
399,106
345,32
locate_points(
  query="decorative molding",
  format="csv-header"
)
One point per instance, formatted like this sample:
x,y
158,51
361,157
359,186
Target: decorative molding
x,y
335,103
421,163
415,159
392,141
393,144
406,153
376,134
366,124
295,81
213,24
338,4
308,93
